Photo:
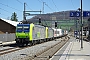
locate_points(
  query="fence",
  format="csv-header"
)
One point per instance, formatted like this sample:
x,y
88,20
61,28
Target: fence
x,y
7,37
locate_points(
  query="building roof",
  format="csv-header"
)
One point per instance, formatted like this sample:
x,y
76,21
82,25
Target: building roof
x,y
14,23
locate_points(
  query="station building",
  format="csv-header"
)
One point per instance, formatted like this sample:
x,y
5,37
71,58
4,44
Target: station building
x,y
7,26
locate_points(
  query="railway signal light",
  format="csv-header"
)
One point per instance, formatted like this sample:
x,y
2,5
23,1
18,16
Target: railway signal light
x,y
39,20
55,24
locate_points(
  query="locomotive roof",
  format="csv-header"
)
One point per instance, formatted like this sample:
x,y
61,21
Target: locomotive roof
x,y
23,24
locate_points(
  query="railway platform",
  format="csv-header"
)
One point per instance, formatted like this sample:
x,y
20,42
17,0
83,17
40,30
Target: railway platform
x,y
75,52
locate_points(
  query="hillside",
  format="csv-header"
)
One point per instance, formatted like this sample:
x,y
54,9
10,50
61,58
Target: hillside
x,y
63,15
63,20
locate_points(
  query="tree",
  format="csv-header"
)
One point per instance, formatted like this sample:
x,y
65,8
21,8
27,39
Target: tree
x,y
14,17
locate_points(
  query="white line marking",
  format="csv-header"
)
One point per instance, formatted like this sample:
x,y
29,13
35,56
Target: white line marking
x,y
58,52
64,55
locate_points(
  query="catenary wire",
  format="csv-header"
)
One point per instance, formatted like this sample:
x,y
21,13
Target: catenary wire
x,y
55,5
10,7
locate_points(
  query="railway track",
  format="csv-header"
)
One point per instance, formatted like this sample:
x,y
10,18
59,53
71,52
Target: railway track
x,y
13,49
8,50
29,51
50,52
46,53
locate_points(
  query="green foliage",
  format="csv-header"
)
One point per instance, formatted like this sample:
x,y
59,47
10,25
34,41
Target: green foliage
x,y
14,17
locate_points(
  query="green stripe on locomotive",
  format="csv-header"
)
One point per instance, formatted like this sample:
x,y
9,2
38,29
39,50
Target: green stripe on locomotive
x,y
22,35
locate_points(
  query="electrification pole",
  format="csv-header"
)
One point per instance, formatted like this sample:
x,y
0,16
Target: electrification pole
x,y
81,26
27,13
43,7
24,17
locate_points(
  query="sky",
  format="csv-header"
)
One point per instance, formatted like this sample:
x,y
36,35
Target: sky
x,y
7,7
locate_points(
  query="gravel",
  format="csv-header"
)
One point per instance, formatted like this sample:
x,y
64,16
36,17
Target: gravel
x,y
30,52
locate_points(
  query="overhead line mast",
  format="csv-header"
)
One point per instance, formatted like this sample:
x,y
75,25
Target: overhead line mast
x,y
43,7
24,17
27,13
81,26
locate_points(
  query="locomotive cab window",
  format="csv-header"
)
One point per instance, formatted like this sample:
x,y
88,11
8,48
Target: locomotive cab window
x,y
26,28
19,28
